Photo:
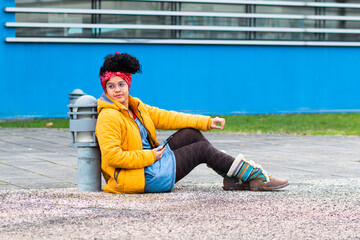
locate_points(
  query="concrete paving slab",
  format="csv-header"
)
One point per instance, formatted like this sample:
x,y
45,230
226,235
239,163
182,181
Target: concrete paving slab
x,y
41,167
8,187
19,176
13,157
280,151
48,185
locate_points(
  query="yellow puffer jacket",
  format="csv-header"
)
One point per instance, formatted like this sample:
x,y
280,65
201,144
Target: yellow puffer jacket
x,y
123,159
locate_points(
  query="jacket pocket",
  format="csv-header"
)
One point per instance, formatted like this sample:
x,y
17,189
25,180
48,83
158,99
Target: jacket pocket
x,y
149,176
116,175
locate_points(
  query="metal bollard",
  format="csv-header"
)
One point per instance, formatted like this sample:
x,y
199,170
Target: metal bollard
x,y
83,116
75,94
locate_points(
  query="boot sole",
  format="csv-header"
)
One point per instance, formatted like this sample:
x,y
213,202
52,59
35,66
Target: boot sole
x,y
269,188
236,189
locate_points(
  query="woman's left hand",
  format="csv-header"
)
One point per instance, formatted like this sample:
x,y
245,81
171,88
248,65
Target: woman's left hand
x,y
217,120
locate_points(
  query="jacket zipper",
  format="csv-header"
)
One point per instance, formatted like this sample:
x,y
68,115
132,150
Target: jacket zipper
x,y
118,170
152,142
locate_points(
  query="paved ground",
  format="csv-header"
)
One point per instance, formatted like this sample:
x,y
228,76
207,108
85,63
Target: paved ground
x,y
39,199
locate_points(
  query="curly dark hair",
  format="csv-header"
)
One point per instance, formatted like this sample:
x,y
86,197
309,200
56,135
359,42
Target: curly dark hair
x,y
122,62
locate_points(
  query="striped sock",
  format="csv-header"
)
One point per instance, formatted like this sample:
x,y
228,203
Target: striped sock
x,y
246,170
233,179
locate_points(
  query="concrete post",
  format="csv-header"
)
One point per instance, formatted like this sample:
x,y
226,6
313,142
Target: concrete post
x,y
74,95
89,169
83,116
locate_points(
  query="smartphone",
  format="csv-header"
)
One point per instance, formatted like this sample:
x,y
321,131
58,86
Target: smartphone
x,y
167,141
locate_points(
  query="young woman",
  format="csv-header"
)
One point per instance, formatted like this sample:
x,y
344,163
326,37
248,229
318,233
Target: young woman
x,y
133,160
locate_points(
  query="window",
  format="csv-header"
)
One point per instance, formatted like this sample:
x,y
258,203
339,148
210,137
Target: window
x,y
141,21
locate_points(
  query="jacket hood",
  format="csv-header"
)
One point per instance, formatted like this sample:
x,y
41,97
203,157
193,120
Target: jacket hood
x,y
106,102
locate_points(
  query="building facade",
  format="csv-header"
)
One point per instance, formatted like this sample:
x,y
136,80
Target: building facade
x,y
209,57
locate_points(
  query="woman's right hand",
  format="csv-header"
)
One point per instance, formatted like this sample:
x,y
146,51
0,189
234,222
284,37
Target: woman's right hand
x,y
159,151
215,121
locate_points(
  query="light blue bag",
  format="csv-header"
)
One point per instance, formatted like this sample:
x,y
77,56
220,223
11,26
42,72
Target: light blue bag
x,y
160,176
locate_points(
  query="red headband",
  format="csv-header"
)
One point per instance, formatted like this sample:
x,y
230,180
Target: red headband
x,y
107,75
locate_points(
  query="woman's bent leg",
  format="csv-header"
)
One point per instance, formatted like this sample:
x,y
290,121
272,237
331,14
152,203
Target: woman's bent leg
x,y
185,137
189,156
191,148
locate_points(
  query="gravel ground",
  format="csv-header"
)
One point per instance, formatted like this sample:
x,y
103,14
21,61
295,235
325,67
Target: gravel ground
x,y
316,209
39,199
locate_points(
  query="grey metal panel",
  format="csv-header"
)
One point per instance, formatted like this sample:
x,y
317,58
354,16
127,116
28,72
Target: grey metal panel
x,y
269,3
83,144
82,113
182,27
82,125
176,13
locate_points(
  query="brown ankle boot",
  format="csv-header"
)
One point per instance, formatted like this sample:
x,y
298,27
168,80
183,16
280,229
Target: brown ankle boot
x,y
229,185
274,184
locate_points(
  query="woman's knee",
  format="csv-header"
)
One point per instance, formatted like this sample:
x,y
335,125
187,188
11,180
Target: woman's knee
x,y
191,133
185,137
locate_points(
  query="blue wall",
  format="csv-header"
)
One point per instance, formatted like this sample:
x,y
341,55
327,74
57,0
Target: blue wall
x,y
36,78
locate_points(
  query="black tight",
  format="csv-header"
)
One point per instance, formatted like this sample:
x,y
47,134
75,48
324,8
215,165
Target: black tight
x,y
191,148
